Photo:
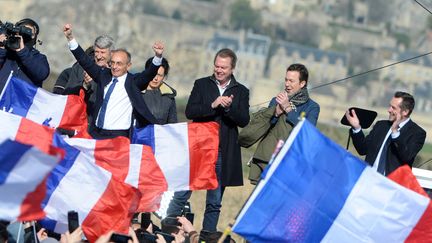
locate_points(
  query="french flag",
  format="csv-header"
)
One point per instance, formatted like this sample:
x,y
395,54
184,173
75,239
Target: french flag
x,y
76,183
185,152
329,195
23,170
133,164
57,111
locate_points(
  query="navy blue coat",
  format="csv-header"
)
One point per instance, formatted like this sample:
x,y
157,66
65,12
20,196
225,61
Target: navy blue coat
x,y
133,85
28,64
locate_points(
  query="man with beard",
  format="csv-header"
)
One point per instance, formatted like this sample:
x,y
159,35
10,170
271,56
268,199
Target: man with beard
x,y
274,123
391,143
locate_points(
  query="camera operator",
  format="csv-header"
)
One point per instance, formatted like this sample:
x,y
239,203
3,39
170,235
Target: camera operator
x,y
18,54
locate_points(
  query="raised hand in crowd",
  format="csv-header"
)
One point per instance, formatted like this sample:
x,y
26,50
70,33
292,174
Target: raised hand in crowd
x,y
158,48
74,237
67,30
352,118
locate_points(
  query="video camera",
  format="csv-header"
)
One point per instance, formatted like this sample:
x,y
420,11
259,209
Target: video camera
x,y
11,31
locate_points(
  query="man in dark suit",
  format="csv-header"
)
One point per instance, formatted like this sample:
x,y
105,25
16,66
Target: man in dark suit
x,y
393,142
222,99
118,92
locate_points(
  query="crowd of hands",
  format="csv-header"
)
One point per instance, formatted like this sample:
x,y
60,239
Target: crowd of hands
x,y
135,235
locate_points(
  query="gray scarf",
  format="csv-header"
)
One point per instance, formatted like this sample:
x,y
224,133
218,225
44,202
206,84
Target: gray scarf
x,y
299,98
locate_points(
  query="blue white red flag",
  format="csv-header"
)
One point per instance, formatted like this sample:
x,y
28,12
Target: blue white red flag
x,y
315,191
62,111
23,170
185,152
76,183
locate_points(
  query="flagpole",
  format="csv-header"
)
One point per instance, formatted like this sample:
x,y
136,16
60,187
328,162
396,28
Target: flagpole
x,y
6,84
19,232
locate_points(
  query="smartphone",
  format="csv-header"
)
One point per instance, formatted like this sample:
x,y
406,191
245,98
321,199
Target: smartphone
x,y
190,217
145,220
120,238
171,221
167,237
146,237
73,222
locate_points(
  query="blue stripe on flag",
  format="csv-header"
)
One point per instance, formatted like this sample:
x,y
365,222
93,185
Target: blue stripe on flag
x,y
62,168
10,154
18,97
144,136
306,192
48,223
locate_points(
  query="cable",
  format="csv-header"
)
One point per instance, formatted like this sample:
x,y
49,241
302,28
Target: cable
x,y
423,6
372,70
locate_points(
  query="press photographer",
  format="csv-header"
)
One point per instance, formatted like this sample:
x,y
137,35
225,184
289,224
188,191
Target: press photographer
x,y
18,53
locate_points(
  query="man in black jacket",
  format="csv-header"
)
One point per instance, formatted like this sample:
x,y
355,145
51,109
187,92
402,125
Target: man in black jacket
x,y
118,92
222,99
393,142
26,62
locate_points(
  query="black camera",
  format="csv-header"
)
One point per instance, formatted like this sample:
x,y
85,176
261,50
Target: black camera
x,y
11,31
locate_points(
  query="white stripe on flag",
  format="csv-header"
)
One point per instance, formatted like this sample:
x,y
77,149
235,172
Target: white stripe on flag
x,y
135,156
84,145
172,154
42,107
79,190
371,196
22,180
9,126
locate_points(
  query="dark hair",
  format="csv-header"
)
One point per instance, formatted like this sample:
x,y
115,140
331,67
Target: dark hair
x,y
226,52
164,64
304,74
407,103
129,57
29,22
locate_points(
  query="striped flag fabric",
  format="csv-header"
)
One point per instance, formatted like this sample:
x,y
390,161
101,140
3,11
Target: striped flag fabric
x,y
76,183
185,152
23,170
57,111
134,164
315,191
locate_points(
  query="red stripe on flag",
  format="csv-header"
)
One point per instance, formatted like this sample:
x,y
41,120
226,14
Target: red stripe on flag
x,y
35,134
113,211
113,155
31,206
75,116
152,183
422,232
203,152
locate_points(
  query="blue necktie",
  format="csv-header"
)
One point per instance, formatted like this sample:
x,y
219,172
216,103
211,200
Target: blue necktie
x,y
103,108
383,158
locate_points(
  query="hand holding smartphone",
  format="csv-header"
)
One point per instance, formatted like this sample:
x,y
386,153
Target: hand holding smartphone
x,y
120,238
73,221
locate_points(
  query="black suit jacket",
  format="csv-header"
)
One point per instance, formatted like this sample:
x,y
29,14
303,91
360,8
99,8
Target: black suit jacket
x,y
133,85
402,150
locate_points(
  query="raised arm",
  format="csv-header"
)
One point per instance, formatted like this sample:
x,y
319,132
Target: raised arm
x,y
86,62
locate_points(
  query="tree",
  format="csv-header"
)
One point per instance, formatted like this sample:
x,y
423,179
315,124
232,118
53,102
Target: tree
x,y
243,16
177,14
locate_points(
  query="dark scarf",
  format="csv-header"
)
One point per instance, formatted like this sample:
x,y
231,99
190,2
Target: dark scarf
x,y
299,98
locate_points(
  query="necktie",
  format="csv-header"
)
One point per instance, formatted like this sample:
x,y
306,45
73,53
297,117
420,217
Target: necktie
x,y
103,108
383,158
